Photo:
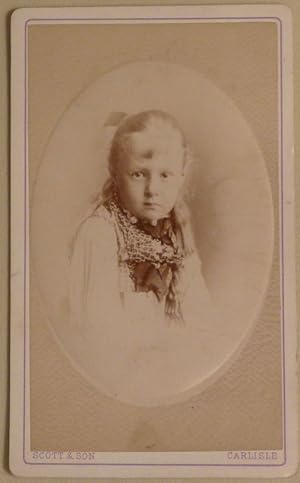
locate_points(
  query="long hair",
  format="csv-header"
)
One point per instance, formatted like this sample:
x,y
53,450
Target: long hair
x,y
180,214
119,148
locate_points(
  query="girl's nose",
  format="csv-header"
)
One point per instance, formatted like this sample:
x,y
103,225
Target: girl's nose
x,y
152,186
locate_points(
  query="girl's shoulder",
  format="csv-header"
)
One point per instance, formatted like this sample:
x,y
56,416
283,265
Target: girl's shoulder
x,y
102,215
99,225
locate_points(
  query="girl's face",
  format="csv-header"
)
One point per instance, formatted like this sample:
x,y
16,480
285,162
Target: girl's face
x,y
151,175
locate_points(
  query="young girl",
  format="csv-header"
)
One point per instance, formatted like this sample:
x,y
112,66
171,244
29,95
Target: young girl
x,y
135,273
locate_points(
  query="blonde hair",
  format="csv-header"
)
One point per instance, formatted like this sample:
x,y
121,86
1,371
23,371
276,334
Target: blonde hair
x,y
119,148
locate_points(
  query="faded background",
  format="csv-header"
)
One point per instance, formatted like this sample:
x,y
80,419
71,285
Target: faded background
x,y
240,83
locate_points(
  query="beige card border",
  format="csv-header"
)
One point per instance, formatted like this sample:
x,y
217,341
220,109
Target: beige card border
x,y
171,464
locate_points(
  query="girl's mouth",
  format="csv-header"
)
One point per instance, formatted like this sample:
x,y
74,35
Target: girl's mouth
x,y
150,204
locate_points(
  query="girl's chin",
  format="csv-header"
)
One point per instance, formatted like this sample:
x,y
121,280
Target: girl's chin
x,y
151,215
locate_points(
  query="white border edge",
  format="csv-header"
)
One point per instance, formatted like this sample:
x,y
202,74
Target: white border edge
x,y
17,464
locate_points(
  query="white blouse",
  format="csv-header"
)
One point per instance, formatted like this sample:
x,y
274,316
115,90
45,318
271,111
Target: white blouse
x,y
127,331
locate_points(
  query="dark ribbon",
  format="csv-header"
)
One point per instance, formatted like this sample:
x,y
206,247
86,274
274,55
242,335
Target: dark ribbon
x,y
148,277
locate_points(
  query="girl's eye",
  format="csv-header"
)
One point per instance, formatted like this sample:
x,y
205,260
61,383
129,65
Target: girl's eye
x,y
137,174
164,175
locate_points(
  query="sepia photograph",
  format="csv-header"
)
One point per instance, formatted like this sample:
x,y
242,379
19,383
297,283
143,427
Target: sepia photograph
x,y
153,197
144,219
